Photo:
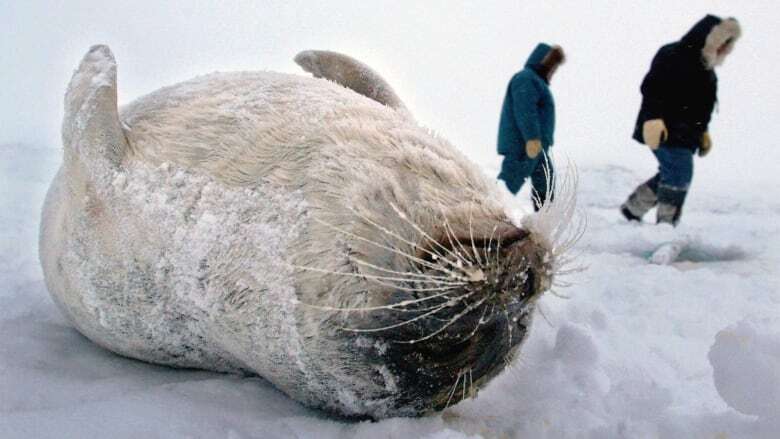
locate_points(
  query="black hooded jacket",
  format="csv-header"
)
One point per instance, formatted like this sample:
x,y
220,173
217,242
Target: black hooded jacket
x,y
680,89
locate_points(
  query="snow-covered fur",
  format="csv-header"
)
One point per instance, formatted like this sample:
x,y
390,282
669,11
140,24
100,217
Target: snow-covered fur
x,y
225,222
720,42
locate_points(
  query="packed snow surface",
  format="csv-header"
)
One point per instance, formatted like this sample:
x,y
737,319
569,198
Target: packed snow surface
x,y
690,349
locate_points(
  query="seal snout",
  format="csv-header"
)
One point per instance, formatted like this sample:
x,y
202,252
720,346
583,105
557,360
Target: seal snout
x,y
504,265
474,327
532,258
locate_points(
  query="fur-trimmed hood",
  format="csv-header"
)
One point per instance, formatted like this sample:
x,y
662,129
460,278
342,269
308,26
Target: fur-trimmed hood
x,y
545,58
714,37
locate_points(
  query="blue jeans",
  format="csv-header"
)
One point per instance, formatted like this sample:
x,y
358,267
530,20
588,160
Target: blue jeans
x,y
675,172
515,171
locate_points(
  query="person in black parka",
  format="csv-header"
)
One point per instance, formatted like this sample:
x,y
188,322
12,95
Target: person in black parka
x,y
527,125
678,96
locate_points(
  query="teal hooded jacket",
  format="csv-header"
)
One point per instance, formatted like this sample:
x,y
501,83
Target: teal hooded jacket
x,y
529,110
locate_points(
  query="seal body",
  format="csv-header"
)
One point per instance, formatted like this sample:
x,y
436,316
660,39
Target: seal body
x,y
288,227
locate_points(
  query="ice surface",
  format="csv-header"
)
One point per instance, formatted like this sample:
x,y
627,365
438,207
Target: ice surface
x,y
629,354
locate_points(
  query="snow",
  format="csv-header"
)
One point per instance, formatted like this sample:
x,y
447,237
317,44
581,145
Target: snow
x,y
688,349
637,350
746,365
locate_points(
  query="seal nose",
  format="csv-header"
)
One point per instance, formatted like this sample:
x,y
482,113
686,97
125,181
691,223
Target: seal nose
x,y
527,262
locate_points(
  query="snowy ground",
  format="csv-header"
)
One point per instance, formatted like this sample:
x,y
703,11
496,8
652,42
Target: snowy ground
x,y
638,350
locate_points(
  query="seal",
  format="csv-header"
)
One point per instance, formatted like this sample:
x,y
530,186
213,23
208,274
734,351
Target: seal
x,y
306,230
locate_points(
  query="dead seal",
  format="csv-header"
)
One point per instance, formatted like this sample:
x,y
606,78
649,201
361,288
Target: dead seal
x,y
305,230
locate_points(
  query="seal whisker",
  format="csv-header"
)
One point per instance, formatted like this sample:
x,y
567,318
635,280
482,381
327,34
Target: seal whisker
x,y
371,276
391,249
412,289
544,316
498,257
568,271
489,244
508,327
479,323
552,221
452,320
462,261
397,325
575,234
463,396
471,383
384,230
498,252
558,282
564,258
452,392
579,228
413,276
447,304
559,295
562,283
451,236
477,257
473,390
566,267
419,230
564,264
392,306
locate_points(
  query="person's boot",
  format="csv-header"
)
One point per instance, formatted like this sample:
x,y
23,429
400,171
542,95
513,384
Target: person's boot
x,y
668,214
640,201
670,203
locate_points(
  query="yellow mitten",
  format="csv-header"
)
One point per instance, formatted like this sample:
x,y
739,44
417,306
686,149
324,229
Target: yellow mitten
x,y
654,132
706,144
533,147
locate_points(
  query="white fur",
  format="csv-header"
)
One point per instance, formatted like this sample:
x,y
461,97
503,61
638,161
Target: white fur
x,y
718,36
172,233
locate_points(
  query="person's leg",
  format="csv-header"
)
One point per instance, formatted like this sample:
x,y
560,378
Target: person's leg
x,y
676,169
641,200
542,182
514,172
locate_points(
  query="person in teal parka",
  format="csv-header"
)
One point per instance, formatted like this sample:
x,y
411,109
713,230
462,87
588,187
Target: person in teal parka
x,y
528,123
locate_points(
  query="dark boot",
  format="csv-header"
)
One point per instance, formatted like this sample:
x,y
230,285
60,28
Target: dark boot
x,y
641,200
668,214
670,203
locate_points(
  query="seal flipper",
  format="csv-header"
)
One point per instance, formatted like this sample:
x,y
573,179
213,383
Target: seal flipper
x,y
91,130
350,73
